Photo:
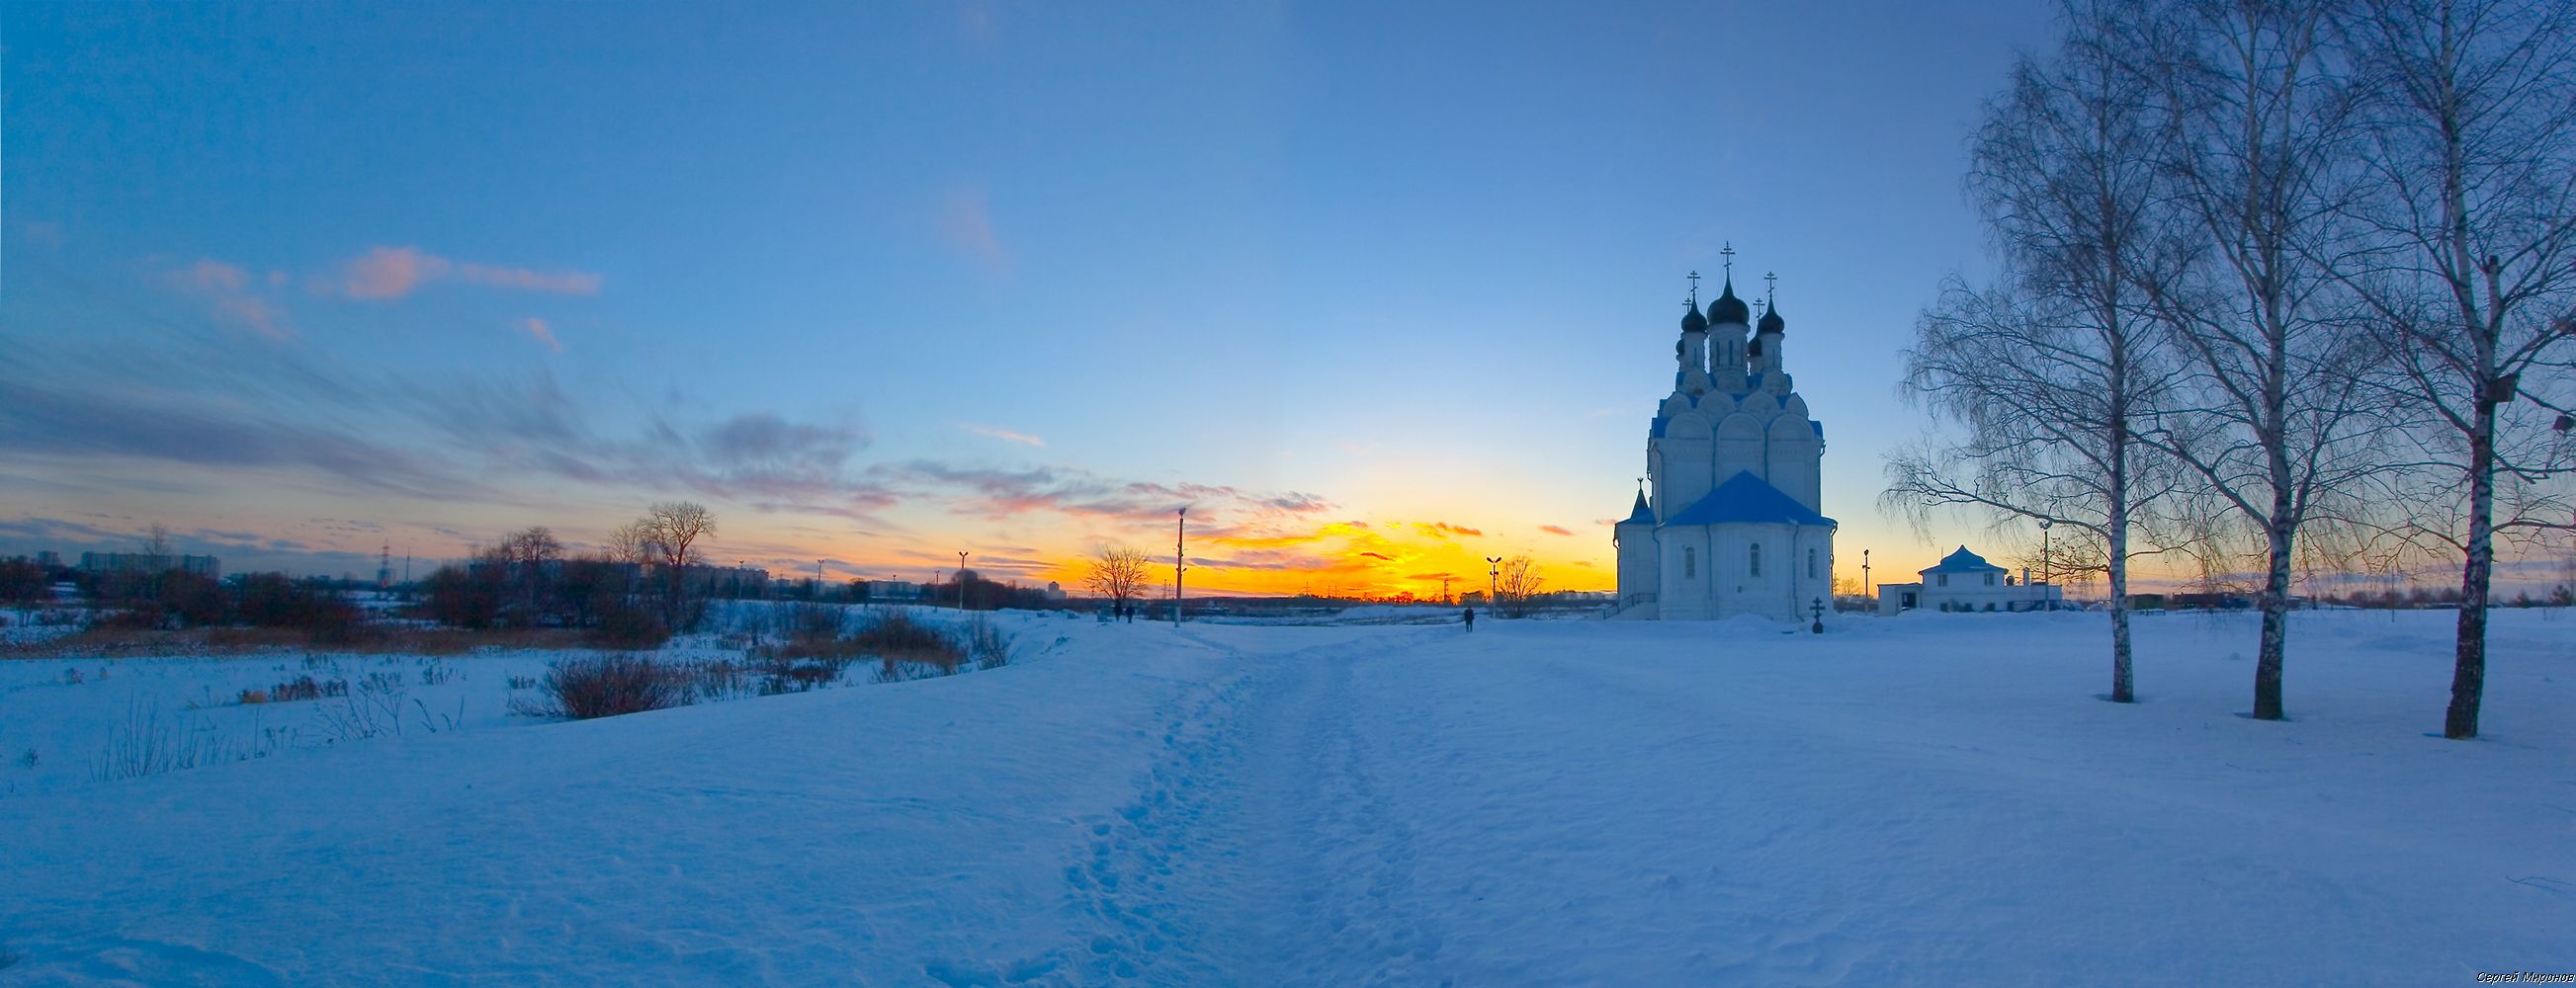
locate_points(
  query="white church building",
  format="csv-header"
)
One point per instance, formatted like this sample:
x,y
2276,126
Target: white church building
x,y
1728,520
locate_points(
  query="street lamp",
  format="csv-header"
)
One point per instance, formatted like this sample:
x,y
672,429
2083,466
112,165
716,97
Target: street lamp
x,y
1180,558
1493,580
2044,575
961,580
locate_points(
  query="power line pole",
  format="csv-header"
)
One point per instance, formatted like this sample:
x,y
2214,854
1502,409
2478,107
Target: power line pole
x,y
1180,546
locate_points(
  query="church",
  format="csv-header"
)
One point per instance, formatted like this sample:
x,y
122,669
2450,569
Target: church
x,y
1727,519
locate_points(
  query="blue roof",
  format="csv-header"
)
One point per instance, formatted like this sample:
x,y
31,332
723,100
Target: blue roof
x,y
1747,498
1964,561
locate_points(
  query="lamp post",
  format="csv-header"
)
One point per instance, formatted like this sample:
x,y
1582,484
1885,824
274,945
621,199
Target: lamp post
x,y
961,580
2043,551
1493,580
1867,588
1180,559
1818,608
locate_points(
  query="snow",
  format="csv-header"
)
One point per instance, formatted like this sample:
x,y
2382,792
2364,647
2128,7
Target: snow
x,y
1929,799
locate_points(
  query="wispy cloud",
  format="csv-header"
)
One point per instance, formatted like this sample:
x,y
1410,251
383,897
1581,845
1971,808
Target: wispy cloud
x,y
1443,530
384,273
1005,435
542,332
228,287
1556,530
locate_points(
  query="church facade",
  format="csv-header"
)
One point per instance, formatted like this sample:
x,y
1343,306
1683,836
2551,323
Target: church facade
x,y
1727,520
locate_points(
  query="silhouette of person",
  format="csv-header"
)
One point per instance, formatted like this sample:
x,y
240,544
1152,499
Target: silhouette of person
x,y
1471,619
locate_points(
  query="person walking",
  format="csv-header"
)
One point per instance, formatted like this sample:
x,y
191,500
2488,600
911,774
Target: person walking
x,y
1471,619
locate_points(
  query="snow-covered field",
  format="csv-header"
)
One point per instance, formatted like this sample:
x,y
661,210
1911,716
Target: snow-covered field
x,y
1934,799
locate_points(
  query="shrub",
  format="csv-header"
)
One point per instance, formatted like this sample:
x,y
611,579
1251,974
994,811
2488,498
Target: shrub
x,y
610,685
253,697
896,636
806,622
307,688
630,628
988,644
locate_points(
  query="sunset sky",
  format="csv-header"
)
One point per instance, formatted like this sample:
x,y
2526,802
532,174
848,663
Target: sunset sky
x,y
1377,289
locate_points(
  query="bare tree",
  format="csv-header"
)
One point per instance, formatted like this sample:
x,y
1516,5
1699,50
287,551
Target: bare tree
x,y
2462,246
528,556
157,552
2047,374
2268,422
669,534
1117,572
1516,586
630,542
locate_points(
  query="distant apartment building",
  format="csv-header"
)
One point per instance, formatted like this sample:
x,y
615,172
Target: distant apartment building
x,y
144,562
49,559
892,590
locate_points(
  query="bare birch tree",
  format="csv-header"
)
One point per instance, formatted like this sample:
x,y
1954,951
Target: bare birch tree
x,y
2463,249
2268,421
2046,374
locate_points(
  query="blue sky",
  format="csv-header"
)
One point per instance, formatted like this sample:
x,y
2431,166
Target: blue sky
x,y
880,282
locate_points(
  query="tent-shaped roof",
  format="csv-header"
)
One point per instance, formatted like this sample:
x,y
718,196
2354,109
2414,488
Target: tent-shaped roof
x,y
1747,498
1641,513
1964,561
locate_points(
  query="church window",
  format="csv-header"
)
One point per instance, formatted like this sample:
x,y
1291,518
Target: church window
x,y
1754,558
1690,564
1811,564
1990,579
1945,579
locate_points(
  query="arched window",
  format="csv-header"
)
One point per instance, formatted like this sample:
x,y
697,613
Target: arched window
x,y
1753,559
1690,564
1811,564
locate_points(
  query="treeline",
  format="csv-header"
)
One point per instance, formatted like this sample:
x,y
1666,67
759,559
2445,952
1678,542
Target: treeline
x,y
647,582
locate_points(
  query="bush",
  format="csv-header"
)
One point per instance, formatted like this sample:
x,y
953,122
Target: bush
x,y
271,600
629,627
610,685
897,636
986,642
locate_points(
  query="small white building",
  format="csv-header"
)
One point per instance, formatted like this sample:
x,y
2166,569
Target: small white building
x,y
1965,581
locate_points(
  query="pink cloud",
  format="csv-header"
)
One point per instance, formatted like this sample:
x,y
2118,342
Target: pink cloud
x,y
1556,529
558,282
229,288
390,272
393,272
1004,435
544,333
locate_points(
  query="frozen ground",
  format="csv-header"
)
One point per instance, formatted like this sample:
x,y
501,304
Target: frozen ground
x,y
1931,800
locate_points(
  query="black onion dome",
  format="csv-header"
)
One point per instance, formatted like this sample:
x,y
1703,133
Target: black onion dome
x,y
1728,308
1771,321
1692,321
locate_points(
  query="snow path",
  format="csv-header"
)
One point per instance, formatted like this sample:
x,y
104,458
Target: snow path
x,y
1928,802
